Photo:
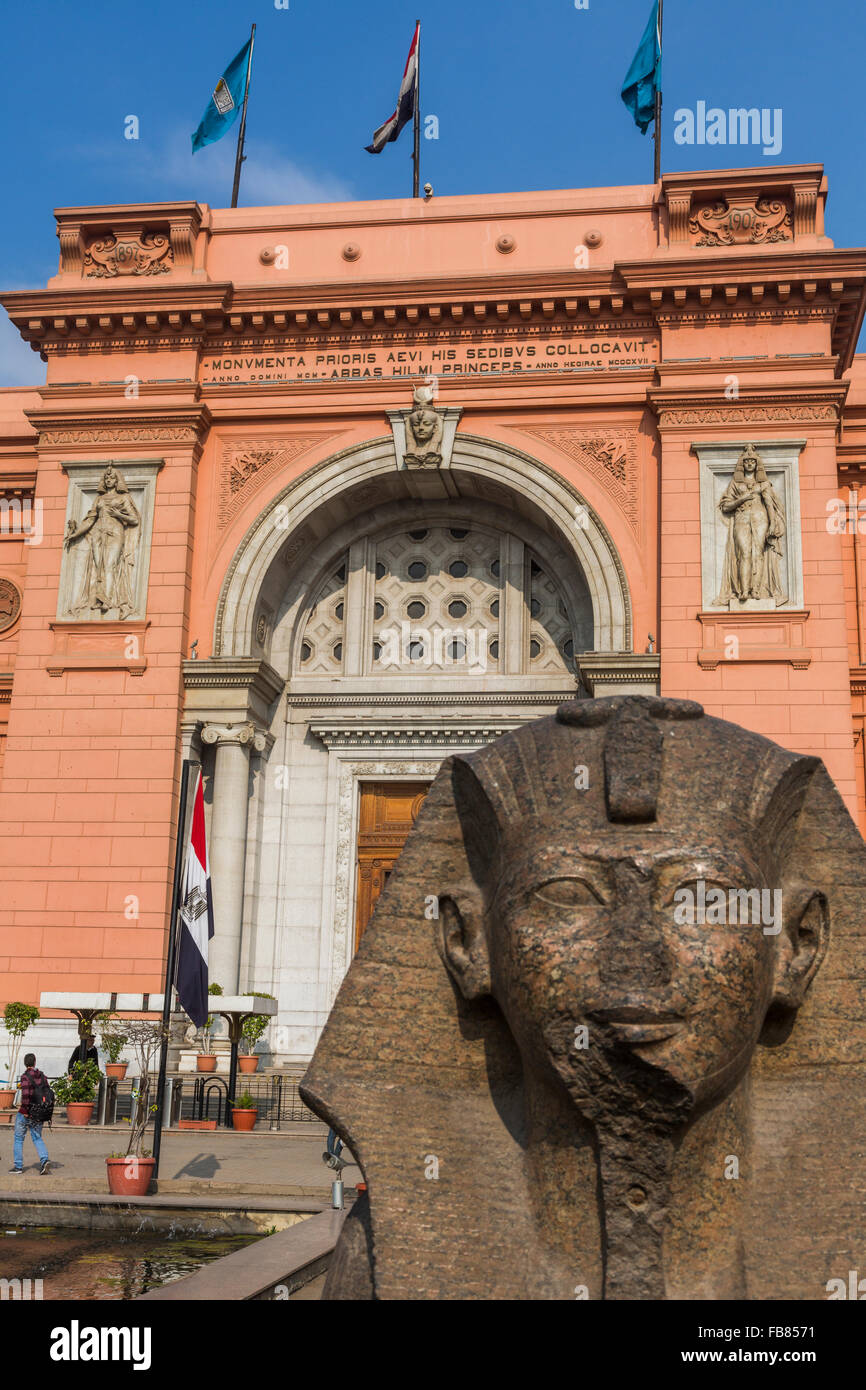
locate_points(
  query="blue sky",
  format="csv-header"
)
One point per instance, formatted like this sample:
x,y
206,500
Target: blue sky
x,y
526,93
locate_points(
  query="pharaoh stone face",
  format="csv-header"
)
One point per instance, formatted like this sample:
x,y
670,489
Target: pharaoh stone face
x,y
601,930
423,425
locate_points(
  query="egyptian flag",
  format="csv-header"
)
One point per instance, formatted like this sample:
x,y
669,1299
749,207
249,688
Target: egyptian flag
x,y
406,101
196,918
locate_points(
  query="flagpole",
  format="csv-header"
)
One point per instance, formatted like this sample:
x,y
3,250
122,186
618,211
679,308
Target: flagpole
x,y
657,133
240,157
170,963
416,157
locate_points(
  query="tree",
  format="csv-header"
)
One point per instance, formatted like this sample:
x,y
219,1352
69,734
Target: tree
x,y
17,1018
144,1037
255,1024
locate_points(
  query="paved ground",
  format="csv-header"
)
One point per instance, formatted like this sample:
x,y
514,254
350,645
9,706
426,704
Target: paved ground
x,y
199,1162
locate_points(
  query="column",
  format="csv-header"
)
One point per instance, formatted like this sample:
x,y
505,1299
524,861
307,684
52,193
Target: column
x,y
513,608
228,843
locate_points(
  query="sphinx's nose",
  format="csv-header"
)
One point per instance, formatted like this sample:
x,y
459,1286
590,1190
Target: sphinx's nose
x,y
635,954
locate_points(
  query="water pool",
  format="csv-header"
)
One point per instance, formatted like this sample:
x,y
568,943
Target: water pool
x,y
75,1264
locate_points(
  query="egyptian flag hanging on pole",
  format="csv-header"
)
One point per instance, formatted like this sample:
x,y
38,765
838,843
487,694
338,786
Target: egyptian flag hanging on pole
x,y
196,918
406,101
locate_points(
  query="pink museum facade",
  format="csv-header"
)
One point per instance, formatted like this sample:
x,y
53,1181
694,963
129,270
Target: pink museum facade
x,y
230,532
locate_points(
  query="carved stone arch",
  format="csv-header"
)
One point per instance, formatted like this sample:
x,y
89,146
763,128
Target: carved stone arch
x,y
283,540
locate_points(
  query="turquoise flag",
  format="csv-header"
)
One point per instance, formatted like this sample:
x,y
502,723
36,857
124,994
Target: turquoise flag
x,y
644,77
228,97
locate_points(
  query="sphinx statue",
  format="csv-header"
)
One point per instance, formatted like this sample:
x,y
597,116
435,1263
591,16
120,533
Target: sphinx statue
x,y
603,1021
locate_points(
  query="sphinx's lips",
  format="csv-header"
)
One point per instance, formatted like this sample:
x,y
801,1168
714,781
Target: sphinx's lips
x,y
634,1023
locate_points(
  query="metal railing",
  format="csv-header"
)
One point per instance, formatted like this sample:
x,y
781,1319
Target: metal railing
x,y
203,1096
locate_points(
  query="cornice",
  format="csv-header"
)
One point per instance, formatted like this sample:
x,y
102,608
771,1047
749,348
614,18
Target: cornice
x,y
795,404
88,391
741,264
202,314
776,363
424,703
858,680
620,668
171,424
17,480
234,673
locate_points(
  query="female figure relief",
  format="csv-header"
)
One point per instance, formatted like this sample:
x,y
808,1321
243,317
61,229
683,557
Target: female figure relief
x,y
111,531
757,523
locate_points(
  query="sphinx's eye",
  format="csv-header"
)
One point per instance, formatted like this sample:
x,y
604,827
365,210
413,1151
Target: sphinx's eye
x,y
567,892
700,902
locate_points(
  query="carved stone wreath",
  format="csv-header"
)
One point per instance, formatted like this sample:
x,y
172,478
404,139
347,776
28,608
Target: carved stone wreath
x,y
147,254
10,604
734,224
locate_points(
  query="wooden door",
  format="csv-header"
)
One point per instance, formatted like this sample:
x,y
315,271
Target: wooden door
x,y
388,812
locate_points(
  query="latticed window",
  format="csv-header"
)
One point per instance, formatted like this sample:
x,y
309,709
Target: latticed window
x,y
444,599
322,647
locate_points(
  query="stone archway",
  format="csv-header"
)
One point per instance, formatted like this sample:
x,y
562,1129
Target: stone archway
x,y
329,496
283,853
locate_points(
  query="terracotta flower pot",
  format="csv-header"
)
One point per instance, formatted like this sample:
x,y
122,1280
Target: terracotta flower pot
x,y
196,1124
248,1063
244,1119
129,1177
6,1098
206,1061
116,1069
78,1112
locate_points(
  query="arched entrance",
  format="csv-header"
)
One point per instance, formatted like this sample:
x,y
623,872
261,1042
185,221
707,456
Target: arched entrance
x,y
365,633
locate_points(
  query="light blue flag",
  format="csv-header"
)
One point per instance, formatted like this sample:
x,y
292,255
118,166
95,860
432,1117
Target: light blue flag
x,y
228,97
644,77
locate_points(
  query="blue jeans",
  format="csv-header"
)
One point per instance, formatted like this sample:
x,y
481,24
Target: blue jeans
x,y
22,1126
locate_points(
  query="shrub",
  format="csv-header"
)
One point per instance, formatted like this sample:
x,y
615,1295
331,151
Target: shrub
x,y
80,1087
254,1025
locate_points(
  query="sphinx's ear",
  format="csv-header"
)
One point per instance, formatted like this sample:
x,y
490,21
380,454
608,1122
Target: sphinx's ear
x,y
802,943
462,941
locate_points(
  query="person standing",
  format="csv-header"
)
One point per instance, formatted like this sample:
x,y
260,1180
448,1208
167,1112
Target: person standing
x,y
92,1053
30,1080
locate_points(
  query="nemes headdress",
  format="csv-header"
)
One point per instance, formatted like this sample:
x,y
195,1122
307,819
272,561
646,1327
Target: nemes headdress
x,y
407,1069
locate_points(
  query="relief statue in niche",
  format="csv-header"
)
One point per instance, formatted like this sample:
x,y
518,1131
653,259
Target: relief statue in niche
x,y
110,532
424,428
575,1035
756,524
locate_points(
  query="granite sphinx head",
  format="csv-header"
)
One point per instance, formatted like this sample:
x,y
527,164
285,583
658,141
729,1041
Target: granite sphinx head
x,y
631,900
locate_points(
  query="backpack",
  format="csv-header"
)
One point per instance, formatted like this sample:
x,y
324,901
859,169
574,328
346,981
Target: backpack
x,y
42,1102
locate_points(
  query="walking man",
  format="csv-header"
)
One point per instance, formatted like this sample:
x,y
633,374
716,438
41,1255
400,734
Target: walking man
x,y
32,1082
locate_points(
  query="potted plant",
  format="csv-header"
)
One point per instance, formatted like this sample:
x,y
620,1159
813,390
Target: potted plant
x,y
206,1059
113,1041
129,1174
78,1091
244,1112
17,1018
252,1029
